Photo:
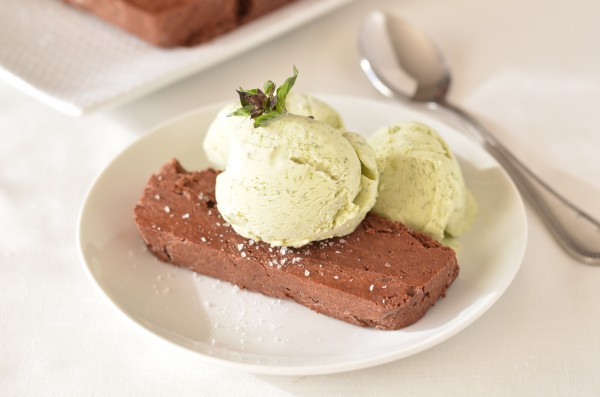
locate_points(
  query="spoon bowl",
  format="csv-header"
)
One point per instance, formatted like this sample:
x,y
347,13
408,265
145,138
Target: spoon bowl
x,y
403,63
388,45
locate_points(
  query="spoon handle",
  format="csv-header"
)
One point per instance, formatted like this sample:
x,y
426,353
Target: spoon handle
x,y
574,229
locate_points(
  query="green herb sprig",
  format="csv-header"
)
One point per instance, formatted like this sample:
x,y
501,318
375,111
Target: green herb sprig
x,y
266,104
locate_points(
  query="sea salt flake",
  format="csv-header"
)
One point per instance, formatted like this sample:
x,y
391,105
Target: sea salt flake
x,y
387,264
243,254
306,273
336,277
203,239
371,287
185,216
167,209
283,250
156,197
384,286
250,242
240,247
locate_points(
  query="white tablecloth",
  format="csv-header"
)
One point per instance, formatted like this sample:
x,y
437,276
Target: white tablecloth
x,y
530,70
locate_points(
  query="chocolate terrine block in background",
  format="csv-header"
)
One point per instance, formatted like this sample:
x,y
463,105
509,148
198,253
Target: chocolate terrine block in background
x,y
252,9
382,275
172,23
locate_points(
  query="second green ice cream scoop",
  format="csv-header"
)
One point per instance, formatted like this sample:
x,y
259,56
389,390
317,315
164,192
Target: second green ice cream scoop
x,y
421,183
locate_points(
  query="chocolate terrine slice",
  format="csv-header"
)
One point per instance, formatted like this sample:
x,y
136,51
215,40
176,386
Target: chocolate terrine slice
x,y
382,275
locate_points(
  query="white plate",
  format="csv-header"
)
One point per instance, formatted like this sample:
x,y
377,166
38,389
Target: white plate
x,y
79,64
248,331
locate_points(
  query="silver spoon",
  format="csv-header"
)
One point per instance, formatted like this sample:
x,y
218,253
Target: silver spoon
x,y
401,62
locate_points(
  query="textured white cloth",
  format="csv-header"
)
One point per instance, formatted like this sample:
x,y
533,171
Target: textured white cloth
x,y
529,70
78,63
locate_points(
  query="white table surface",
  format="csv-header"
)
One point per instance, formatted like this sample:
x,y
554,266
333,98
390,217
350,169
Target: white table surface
x,y
529,69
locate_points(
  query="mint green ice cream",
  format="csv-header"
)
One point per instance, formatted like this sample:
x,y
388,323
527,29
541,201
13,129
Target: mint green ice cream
x,y
217,141
295,180
421,183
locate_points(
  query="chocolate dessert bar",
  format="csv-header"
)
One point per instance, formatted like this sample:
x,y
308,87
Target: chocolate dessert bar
x,y
382,275
171,23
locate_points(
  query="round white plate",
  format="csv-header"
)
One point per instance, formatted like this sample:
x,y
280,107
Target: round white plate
x,y
244,330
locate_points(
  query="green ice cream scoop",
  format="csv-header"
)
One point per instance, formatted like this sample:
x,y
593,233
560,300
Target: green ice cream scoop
x,y
421,183
295,180
217,140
